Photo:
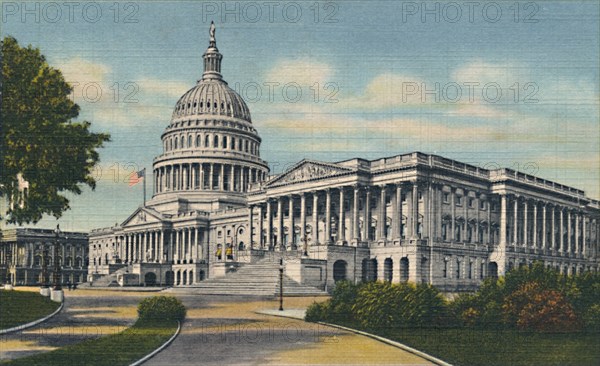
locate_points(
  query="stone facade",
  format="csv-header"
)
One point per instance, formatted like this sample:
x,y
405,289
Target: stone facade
x,y
22,252
412,217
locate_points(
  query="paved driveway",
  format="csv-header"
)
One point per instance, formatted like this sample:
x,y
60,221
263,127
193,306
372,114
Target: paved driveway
x,y
227,331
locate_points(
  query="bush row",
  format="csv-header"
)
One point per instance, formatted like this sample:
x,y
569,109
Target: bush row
x,y
161,309
535,298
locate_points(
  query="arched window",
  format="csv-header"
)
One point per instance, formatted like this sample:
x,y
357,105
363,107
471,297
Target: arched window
x,y
216,141
240,144
404,269
388,267
198,140
232,147
339,270
176,139
182,142
224,142
246,145
207,141
189,140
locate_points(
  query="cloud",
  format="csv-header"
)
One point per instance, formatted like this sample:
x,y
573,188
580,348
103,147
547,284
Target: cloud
x,y
166,88
79,70
304,71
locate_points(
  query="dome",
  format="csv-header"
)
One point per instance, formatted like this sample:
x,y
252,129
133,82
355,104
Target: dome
x,y
212,96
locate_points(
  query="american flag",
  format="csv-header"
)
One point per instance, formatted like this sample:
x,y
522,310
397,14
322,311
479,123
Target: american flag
x,y
136,177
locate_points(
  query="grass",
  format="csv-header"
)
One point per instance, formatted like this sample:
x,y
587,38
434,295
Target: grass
x,y
21,307
489,347
113,350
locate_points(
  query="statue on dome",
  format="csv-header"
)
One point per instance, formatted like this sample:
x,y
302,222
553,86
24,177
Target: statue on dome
x,y
212,32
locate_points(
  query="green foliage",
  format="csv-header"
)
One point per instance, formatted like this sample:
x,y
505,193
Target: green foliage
x,y
39,139
21,307
318,311
591,317
161,308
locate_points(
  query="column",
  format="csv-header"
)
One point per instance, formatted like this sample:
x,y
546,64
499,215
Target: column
x,y
251,225
525,224
185,169
355,213
561,231
328,216
342,219
171,248
577,233
211,176
232,178
569,232
291,230
396,221
261,243
516,222
196,242
315,218
201,176
367,218
503,219
303,218
269,225
553,228
222,178
415,210
584,236
544,224
161,246
176,252
382,214
279,221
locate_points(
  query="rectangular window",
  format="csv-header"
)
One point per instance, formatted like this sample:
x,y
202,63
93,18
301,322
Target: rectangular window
x,y
482,205
459,200
219,234
403,198
420,196
446,197
471,202
445,269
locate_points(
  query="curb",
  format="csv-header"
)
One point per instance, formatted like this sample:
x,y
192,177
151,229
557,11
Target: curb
x,y
33,323
404,347
156,351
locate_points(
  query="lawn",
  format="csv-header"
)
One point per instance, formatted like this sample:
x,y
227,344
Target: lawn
x,y
22,307
469,346
113,350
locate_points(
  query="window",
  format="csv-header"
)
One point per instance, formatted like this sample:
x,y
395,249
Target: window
x,y
198,141
470,269
444,232
182,142
458,268
459,200
446,197
190,141
445,268
224,142
232,147
216,141
219,234
420,196
176,142
481,270
471,202
228,232
482,205
403,197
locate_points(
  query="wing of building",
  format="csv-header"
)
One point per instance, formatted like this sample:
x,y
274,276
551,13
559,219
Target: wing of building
x,y
411,217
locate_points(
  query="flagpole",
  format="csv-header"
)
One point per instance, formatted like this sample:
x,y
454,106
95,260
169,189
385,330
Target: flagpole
x,y
144,181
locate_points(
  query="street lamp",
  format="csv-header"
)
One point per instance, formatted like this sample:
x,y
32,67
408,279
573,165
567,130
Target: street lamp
x,y
281,284
44,288
56,274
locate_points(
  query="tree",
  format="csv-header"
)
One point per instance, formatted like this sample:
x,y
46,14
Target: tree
x,y
39,141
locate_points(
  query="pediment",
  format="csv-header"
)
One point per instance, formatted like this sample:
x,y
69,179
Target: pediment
x,y
309,170
142,216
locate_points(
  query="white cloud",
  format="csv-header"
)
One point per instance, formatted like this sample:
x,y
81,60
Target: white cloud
x,y
79,70
303,71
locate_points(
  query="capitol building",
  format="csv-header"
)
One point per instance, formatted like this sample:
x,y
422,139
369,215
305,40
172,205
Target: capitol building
x,y
217,213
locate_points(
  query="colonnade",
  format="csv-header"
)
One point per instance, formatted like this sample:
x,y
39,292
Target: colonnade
x,y
290,220
206,176
178,246
538,224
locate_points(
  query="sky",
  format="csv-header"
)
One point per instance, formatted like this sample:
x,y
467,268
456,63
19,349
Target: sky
x,y
494,84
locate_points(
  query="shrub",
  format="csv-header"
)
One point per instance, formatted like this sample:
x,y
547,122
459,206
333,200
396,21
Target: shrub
x,y
591,318
533,307
161,308
318,311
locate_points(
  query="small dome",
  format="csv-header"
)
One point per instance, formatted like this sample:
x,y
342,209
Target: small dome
x,y
212,97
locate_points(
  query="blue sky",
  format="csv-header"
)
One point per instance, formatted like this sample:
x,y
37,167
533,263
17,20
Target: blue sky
x,y
511,84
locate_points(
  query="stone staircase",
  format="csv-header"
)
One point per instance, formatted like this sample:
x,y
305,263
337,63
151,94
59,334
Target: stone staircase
x,y
108,280
256,279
